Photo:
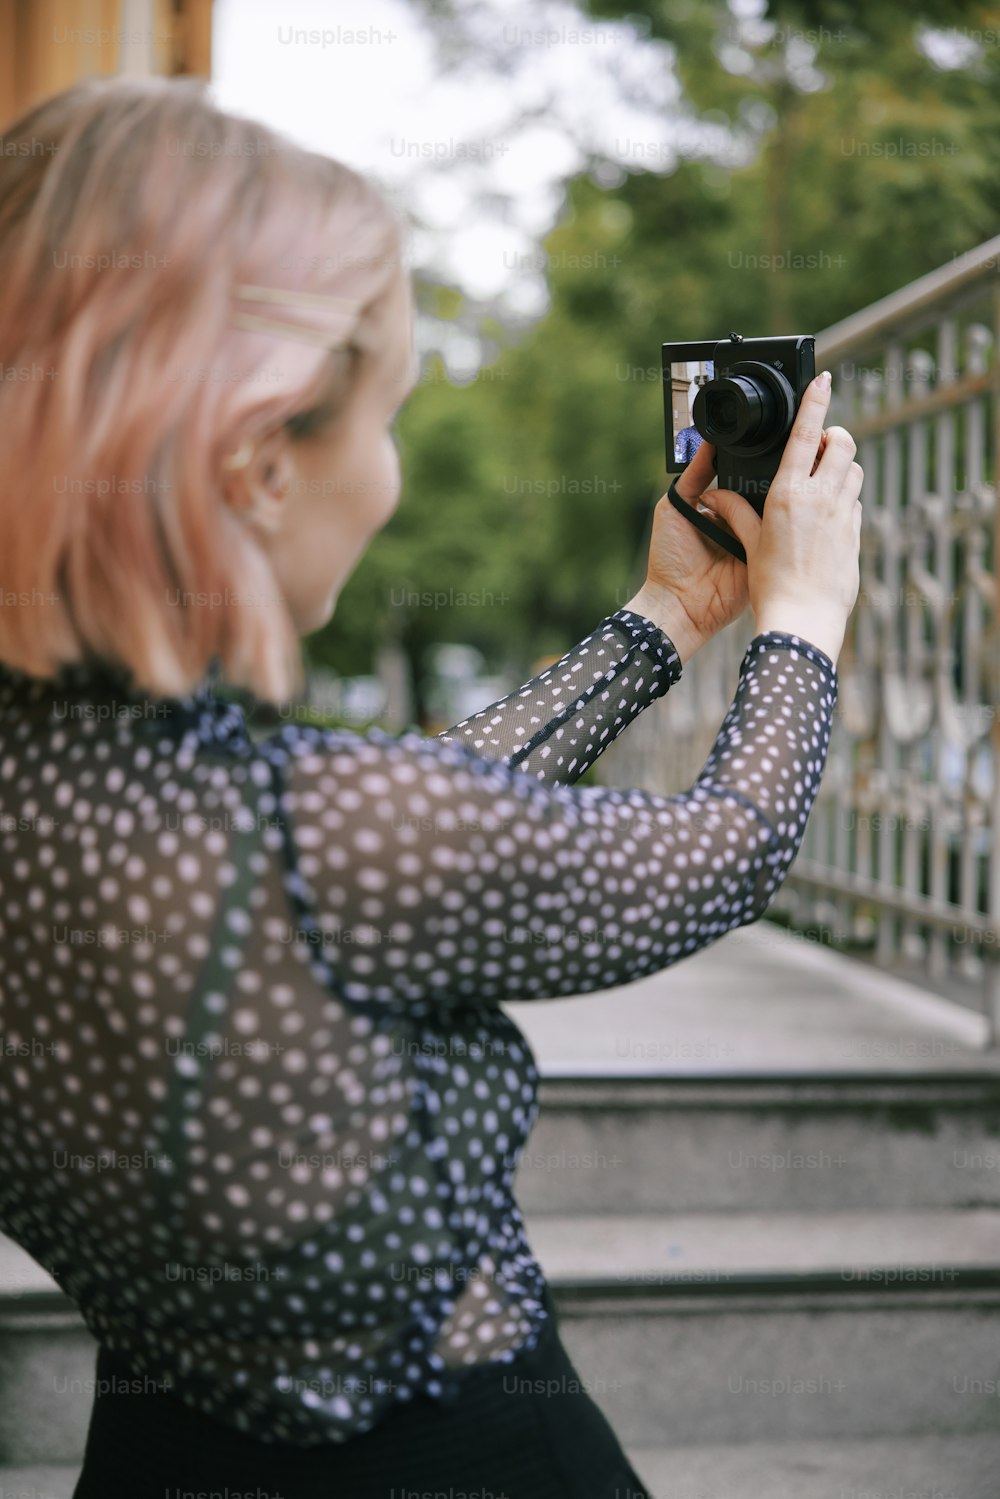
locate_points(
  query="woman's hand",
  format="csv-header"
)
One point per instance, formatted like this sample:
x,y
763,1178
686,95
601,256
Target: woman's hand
x,y
802,558
693,589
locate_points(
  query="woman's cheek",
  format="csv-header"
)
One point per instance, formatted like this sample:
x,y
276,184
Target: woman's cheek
x,y
391,479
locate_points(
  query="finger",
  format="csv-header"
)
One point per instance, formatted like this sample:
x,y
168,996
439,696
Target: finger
x,y
807,430
822,446
742,518
699,473
719,520
853,480
837,459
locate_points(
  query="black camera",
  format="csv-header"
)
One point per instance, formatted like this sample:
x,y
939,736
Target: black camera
x,y
741,395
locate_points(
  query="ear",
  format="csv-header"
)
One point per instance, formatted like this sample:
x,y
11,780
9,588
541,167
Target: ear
x,y
258,490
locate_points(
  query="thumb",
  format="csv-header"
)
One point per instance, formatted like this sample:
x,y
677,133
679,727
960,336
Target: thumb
x,y
740,516
692,481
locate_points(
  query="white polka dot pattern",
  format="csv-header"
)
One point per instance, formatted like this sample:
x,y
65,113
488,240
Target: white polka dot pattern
x,y
260,1104
557,725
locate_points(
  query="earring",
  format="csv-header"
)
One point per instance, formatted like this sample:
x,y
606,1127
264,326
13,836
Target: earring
x,y
241,457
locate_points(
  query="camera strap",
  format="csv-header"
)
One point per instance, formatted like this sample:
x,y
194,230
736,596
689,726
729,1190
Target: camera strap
x,y
705,524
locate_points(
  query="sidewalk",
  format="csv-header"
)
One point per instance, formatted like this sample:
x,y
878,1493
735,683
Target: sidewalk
x,y
761,1000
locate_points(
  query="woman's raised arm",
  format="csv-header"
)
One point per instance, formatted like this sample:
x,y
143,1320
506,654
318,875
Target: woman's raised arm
x,y
436,876
555,726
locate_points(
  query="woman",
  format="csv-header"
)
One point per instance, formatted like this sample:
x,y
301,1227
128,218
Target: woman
x,y
267,1120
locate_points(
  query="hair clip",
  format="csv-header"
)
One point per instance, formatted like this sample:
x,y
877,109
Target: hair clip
x,y
280,329
300,298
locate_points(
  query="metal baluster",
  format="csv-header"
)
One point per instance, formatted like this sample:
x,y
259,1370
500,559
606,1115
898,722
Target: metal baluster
x,y
944,484
991,975
865,630
918,365
978,341
889,756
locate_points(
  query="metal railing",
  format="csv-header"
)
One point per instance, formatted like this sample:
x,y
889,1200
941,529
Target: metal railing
x,y
902,852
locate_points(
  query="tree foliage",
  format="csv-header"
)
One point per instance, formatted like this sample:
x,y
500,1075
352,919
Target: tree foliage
x,y
528,492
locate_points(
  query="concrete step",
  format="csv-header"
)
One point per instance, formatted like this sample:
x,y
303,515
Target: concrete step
x,y
714,1327
776,1367
694,1329
911,1467
47,1363
38,1483
767,1356
677,1250
24,1281
46,1367
628,1143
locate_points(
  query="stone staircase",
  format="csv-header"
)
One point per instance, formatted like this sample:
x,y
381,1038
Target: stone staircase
x,y
765,1186
780,1285
46,1382
777,1265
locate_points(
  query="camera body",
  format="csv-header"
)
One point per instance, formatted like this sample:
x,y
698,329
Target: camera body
x,y
741,394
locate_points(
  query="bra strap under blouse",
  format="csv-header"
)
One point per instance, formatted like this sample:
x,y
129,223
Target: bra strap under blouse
x,y
208,1002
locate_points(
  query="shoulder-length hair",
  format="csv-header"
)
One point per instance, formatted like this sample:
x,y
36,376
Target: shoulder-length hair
x,y
132,211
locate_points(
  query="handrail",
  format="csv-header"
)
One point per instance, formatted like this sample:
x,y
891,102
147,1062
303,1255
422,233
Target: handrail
x,y
911,302
903,845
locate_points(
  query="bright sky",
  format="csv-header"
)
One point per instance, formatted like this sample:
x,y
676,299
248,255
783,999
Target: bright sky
x,y
479,155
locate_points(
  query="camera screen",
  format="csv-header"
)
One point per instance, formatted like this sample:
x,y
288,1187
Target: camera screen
x,y
686,377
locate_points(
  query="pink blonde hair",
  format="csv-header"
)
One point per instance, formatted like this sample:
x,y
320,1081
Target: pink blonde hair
x,y
130,211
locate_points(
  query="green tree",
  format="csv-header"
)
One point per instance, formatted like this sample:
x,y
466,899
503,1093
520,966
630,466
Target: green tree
x,y
855,164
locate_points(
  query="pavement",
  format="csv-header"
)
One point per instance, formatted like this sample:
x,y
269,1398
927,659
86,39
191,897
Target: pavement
x,y
760,1000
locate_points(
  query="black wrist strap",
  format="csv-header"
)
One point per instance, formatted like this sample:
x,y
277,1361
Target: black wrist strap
x,y
705,523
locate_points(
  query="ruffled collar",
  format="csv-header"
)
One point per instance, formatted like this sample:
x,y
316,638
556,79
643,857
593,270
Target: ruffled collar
x,y
103,692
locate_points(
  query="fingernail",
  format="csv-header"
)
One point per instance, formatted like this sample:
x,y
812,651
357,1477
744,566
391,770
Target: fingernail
x,y
824,381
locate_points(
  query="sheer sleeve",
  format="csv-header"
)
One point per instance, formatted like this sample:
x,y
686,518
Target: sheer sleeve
x,y
436,876
555,726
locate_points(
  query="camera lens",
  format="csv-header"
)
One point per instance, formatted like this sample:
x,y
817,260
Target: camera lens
x,y
724,413
746,411
734,409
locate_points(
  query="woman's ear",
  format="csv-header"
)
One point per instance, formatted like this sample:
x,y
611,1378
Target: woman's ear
x,y
257,480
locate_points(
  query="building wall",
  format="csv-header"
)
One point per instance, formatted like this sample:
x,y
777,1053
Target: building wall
x,y
45,45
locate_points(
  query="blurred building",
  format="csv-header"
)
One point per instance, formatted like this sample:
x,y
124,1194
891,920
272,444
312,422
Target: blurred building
x,y
45,45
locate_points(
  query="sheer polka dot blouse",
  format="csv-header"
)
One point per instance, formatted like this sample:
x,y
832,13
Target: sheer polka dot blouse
x,y
260,1104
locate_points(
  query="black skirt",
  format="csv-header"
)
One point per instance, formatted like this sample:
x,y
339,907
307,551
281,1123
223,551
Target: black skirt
x,y
521,1430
